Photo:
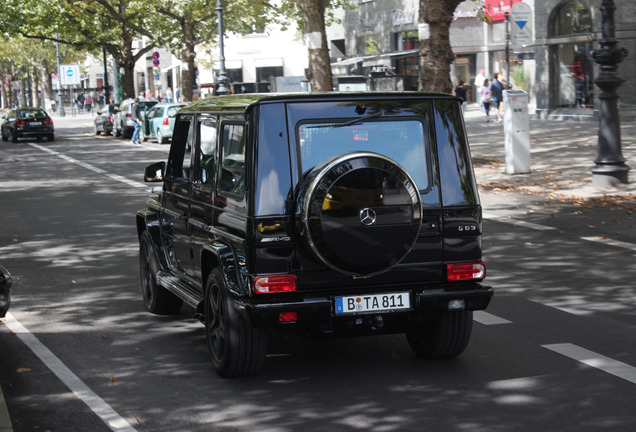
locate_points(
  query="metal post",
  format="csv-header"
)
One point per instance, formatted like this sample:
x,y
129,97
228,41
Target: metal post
x,y
106,89
222,89
610,168
60,104
508,48
28,87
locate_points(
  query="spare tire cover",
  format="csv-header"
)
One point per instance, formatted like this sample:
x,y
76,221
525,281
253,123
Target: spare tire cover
x,y
360,213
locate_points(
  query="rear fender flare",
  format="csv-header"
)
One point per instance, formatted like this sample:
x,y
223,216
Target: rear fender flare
x,y
230,262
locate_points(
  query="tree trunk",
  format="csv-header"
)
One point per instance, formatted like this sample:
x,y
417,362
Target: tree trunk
x,y
436,54
35,89
313,15
46,79
5,97
187,58
126,61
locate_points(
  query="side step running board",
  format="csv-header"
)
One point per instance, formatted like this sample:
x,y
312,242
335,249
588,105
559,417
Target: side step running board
x,y
182,290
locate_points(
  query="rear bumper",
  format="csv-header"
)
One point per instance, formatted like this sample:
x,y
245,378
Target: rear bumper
x,y
35,133
318,312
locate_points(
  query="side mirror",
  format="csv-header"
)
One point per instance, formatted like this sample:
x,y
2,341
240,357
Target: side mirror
x,y
155,172
4,117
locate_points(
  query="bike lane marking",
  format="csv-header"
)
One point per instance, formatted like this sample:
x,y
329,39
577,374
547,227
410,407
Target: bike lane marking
x,y
486,318
90,167
104,411
531,225
595,360
609,241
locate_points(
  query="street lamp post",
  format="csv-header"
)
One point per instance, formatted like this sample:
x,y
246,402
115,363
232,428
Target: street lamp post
x,y
106,85
60,105
610,168
222,89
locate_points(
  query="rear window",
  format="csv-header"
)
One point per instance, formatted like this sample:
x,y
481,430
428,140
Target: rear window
x,y
401,140
32,113
173,110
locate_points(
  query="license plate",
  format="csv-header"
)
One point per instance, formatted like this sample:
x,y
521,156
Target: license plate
x,y
35,123
373,303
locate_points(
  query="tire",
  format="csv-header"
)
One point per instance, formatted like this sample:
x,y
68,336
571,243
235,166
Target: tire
x,y
50,137
445,337
157,299
160,137
360,213
236,347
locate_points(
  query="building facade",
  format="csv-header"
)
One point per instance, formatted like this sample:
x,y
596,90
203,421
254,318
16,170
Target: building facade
x,y
556,67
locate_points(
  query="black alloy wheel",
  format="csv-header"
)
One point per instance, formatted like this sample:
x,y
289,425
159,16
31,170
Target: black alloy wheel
x,y
157,299
236,347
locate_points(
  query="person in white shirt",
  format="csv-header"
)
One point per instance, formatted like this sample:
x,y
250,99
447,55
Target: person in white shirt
x,y
479,83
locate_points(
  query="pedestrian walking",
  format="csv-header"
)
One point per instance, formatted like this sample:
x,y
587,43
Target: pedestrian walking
x,y
169,95
486,98
460,92
88,102
479,83
177,94
80,103
496,90
136,118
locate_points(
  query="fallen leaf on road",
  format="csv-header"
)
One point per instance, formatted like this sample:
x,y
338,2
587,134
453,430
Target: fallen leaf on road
x,y
112,379
21,370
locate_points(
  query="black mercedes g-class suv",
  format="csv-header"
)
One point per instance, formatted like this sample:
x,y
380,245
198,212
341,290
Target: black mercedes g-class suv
x,y
340,213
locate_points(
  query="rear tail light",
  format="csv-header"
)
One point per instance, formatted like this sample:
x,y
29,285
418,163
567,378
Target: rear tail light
x,y
465,271
128,115
111,118
20,122
166,122
274,284
287,317
49,121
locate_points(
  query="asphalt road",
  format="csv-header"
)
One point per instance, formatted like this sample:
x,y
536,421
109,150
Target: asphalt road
x,y
555,351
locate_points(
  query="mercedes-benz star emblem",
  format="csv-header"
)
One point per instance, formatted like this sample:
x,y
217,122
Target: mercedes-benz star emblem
x,y
367,216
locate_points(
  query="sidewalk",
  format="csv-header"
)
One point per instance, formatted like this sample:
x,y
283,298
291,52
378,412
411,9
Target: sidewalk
x,y
562,153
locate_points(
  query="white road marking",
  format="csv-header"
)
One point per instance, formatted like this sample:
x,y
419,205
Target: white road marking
x,y
520,223
91,167
608,241
77,386
486,318
595,360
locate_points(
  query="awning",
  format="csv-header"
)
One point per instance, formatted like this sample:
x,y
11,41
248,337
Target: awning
x,y
268,62
375,59
230,64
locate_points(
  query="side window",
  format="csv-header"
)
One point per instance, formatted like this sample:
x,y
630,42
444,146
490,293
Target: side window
x,y
180,158
232,179
207,153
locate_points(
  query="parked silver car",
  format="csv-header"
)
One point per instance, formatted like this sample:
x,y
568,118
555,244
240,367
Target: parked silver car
x,y
123,125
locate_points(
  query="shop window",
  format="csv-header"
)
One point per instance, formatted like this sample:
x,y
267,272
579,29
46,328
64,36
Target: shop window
x,y
572,69
571,18
265,74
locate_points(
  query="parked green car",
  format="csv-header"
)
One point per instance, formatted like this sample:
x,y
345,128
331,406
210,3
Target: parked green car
x,y
159,122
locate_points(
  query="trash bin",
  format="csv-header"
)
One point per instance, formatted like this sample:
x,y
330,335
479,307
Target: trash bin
x,y
516,131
